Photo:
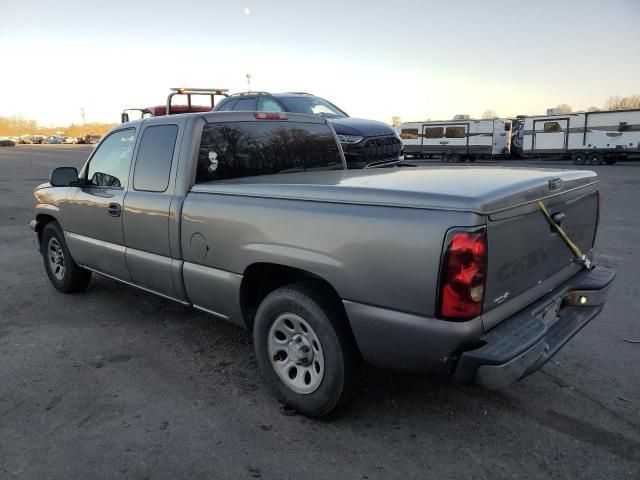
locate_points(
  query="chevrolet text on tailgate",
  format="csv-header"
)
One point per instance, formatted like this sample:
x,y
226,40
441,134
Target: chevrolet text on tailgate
x,y
480,274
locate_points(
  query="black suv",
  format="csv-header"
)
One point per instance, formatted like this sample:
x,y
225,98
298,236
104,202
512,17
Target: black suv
x,y
365,142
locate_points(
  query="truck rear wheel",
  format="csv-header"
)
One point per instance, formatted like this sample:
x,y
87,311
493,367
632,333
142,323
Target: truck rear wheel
x,y
596,158
579,158
305,350
454,158
63,272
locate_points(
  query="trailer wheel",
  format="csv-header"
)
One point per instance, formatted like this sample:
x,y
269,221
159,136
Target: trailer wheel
x,y
444,157
579,158
454,158
596,158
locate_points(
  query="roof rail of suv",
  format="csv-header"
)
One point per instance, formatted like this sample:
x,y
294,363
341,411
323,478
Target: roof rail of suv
x,y
249,93
266,93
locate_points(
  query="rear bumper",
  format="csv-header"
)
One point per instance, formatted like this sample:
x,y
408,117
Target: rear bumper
x,y
513,349
523,343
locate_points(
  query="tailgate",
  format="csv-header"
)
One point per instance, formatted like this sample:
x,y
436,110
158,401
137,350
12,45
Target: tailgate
x,y
527,256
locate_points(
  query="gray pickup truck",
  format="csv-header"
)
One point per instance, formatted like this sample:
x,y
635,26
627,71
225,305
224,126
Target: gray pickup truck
x,y
255,219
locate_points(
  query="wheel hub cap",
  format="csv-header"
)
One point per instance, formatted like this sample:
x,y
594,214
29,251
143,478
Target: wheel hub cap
x,y
296,353
300,350
56,259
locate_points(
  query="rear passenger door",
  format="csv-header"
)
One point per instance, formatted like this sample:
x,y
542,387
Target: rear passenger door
x,y
147,206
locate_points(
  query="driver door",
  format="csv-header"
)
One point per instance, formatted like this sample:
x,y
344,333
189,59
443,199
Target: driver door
x,y
93,230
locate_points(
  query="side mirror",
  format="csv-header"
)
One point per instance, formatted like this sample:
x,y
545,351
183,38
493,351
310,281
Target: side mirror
x,y
63,176
125,117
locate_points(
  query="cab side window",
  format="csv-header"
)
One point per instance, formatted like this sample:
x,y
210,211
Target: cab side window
x,y
154,158
109,166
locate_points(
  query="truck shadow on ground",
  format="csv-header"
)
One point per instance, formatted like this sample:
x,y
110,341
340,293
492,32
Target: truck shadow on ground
x,y
221,356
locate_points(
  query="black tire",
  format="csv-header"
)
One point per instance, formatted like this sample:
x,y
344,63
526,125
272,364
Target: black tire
x,y
596,158
317,306
579,158
67,276
444,157
610,160
454,158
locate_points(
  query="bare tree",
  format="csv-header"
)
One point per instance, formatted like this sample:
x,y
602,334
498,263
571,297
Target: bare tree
x,y
593,109
396,120
18,125
564,108
622,103
489,114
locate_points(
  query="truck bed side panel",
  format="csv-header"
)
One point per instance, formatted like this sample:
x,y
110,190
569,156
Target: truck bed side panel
x,y
375,255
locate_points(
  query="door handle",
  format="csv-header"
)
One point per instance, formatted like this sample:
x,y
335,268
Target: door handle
x,y
114,209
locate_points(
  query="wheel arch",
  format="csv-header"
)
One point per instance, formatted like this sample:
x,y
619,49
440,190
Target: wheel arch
x,y
42,220
261,278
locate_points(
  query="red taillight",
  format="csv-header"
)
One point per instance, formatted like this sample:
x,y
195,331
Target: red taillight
x,y
463,275
270,115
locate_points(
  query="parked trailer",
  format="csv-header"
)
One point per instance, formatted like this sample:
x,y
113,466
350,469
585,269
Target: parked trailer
x,y
584,137
457,140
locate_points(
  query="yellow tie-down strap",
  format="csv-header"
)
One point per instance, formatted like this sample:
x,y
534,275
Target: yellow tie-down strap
x,y
581,257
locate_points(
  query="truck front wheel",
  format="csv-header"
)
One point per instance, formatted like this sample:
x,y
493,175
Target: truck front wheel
x,y
305,351
64,273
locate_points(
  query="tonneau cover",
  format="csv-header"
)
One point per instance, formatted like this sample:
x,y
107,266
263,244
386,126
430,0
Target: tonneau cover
x,y
482,190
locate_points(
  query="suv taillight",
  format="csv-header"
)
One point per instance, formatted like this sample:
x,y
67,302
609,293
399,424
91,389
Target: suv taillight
x,y
463,274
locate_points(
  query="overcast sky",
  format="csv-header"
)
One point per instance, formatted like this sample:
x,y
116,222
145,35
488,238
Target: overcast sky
x,y
374,59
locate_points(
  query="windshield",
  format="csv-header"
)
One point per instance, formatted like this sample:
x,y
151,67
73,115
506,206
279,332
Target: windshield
x,y
311,106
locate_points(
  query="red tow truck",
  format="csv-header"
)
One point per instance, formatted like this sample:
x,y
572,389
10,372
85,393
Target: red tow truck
x,y
170,109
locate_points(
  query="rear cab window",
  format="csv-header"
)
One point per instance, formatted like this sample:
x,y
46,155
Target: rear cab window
x,y
230,150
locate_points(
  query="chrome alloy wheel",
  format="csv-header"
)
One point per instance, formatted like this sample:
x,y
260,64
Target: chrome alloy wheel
x,y
55,255
296,353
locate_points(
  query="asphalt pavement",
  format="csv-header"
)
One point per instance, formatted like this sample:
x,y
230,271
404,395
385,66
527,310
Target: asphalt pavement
x,y
118,383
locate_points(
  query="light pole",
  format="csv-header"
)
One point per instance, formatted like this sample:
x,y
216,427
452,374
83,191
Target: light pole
x,y
82,113
248,82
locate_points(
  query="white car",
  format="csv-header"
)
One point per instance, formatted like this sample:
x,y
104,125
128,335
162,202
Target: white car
x,y
72,140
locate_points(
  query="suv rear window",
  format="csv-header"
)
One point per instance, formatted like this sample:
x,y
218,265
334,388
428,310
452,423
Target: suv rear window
x,y
246,149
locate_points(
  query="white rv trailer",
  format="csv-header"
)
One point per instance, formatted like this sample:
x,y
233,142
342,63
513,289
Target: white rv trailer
x,y
457,140
584,137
